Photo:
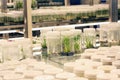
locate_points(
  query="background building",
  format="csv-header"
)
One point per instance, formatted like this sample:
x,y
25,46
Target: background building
x,y
11,3
71,2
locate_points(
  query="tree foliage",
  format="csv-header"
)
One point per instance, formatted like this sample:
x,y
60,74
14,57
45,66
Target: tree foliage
x,y
19,5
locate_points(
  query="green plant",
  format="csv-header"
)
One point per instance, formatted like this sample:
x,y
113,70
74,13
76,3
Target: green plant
x,y
77,38
76,47
19,5
66,44
89,42
44,45
77,43
34,42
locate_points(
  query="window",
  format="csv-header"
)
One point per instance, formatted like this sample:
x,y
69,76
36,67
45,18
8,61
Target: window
x,y
103,1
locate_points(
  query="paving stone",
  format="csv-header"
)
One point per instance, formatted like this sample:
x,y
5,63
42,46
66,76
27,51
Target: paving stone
x,y
87,55
93,64
97,57
1,78
116,63
106,68
83,61
31,74
117,56
91,74
105,76
111,55
43,67
44,77
25,79
79,70
13,63
90,50
53,71
69,66
6,72
78,78
107,61
116,71
13,77
103,48
20,69
28,61
65,75
115,79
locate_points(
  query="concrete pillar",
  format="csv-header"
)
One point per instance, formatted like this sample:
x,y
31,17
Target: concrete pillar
x,y
113,10
27,19
67,2
4,6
